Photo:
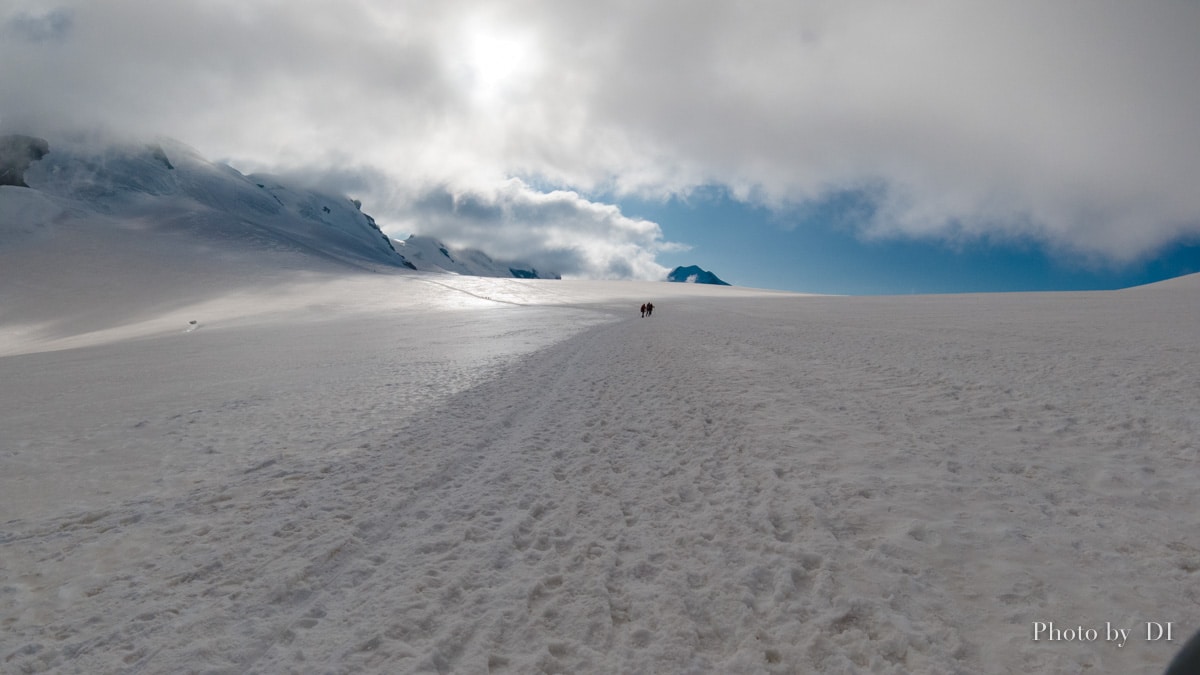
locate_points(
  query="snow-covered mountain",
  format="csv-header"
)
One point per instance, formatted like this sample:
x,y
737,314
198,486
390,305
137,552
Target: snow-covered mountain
x,y
97,237
429,254
694,275
166,187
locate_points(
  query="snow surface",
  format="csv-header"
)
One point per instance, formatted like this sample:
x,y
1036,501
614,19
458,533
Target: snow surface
x,y
526,476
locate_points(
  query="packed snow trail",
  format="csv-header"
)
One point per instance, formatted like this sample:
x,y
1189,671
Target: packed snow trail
x,y
760,485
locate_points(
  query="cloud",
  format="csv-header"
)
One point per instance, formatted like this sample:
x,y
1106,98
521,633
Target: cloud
x,y
51,25
559,231
1065,123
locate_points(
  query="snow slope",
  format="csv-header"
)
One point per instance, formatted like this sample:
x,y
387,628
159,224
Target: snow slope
x,y
431,255
144,239
167,186
525,476
143,236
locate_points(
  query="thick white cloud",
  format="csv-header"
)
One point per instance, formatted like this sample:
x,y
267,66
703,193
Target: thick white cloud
x,y
1073,123
558,230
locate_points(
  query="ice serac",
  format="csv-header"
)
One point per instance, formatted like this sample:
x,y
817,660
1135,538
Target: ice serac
x,y
432,255
694,275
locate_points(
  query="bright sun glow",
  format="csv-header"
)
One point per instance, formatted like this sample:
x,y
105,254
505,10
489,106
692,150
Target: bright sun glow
x,y
497,60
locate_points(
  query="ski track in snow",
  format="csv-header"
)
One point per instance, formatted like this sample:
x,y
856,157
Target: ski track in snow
x,y
782,485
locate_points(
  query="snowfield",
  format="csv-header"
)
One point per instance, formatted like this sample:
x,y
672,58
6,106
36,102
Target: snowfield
x,y
411,472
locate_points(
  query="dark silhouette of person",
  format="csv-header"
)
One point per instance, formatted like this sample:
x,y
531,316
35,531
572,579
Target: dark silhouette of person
x,y
643,310
649,308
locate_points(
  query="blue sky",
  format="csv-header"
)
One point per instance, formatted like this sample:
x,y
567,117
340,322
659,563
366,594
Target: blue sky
x,y
817,250
862,146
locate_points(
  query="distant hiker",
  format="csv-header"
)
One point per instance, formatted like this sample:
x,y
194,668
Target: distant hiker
x,y
643,310
649,308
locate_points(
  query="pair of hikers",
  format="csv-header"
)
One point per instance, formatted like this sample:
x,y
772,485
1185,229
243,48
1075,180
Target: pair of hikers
x,y
647,309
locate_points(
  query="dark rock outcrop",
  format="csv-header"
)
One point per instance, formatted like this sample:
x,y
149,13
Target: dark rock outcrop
x,y
16,154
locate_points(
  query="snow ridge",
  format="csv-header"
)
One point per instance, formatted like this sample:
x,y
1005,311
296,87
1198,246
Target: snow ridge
x,y
169,186
430,254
